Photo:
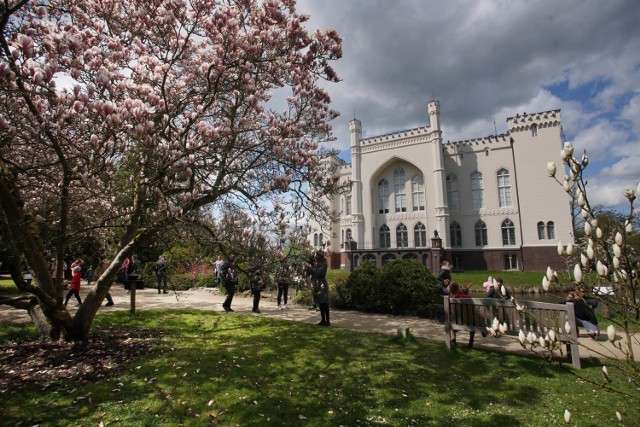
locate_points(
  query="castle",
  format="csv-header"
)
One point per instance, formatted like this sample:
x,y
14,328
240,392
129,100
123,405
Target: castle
x,y
483,204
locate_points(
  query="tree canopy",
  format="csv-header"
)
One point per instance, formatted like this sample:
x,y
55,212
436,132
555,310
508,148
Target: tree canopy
x,y
118,118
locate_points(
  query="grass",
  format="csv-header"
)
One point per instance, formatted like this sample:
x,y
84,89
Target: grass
x,y
213,368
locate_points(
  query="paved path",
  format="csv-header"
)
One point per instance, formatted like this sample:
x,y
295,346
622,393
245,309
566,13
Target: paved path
x,y
210,299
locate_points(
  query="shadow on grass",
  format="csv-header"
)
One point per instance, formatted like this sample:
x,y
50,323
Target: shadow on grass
x,y
246,370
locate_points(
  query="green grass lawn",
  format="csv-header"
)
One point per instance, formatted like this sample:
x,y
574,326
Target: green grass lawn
x,y
212,368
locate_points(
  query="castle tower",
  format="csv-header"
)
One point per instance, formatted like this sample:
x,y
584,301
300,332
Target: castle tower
x,y
439,173
355,131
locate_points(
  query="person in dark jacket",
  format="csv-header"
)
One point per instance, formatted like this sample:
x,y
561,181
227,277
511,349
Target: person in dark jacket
x,y
585,314
229,280
444,276
258,283
283,287
318,273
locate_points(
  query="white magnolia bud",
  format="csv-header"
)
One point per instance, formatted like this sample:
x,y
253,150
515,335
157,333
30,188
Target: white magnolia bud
x,y
599,233
619,416
628,227
565,185
549,273
542,341
584,260
617,250
560,249
531,337
545,283
611,333
594,222
522,337
585,159
552,335
495,324
569,249
567,327
563,155
567,416
577,273
619,240
587,229
600,269
616,262
581,200
590,253
584,213
568,148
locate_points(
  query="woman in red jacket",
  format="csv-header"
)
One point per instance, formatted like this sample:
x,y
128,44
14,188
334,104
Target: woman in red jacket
x,y
76,278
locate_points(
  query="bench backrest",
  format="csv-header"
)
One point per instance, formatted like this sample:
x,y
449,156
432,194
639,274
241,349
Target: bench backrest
x,y
477,314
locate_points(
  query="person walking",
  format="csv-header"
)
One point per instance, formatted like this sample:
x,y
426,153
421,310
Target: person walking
x,y
283,287
318,273
103,264
161,275
88,275
258,283
229,280
76,278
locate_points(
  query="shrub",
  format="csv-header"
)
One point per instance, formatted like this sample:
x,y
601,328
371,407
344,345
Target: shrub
x,y
399,287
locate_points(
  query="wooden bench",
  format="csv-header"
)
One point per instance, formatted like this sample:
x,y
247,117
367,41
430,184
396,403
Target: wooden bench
x,y
477,314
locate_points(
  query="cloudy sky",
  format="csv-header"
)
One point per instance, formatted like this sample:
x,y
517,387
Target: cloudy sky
x,y
488,60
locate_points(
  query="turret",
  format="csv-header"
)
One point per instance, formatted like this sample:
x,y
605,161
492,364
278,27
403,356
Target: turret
x,y
355,132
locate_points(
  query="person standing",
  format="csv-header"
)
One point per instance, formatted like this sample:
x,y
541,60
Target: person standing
x,y
88,275
318,273
103,264
444,276
283,287
76,278
258,284
161,275
229,280
218,266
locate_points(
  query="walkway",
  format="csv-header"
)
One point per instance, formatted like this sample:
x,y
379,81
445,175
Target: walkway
x,y
210,299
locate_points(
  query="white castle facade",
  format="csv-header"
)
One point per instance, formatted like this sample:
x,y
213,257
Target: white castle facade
x,y
483,204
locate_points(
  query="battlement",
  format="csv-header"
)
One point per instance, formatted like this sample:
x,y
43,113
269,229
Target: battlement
x,y
526,121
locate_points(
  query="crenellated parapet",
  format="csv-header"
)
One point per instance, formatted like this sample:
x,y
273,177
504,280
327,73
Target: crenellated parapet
x,y
526,122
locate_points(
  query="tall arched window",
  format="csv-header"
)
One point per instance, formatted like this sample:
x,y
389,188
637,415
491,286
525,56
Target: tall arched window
x,y
481,234
349,235
420,235
402,236
541,230
399,190
508,233
477,191
456,234
383,196
504,188
348,207
551,230
315,240
385,237
452,192
417,191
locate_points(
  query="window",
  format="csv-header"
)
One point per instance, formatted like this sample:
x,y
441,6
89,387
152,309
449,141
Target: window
x,y
348,209
456,234
481,234
383,197
504,188
510,261
315,240
402,236
400,195
388,258
551,230
369,258
477,191
508,233
420,235
452,192
534,130
320,236
349,236
541,230
385,237
417,190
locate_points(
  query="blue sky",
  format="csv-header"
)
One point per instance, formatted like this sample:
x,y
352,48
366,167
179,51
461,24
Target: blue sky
x,y
491,59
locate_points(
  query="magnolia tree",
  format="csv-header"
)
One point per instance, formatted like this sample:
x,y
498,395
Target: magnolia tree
x,y
603,269
155,111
